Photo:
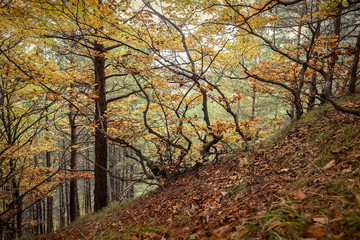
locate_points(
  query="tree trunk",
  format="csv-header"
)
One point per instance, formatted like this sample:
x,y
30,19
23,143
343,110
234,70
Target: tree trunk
x,y
87,187
16,195
38,218
253,97
74,205
337,30
354,67
49,202
312,92
132,190
100,192
67,203
44,216
61,206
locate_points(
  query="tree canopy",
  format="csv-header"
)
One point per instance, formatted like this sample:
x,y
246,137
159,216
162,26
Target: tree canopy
x,y
175,83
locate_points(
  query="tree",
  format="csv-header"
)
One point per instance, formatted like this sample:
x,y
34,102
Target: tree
x,y
314,27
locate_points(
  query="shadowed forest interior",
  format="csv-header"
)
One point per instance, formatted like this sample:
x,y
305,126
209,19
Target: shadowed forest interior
x,y
124,106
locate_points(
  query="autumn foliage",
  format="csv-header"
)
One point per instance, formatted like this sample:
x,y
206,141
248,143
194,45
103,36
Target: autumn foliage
x,y
174,84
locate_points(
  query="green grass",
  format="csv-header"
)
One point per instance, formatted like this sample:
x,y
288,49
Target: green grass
x,y
238,188
335,144
145,230
282,223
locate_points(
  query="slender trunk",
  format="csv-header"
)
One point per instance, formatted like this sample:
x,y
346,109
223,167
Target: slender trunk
x,y
297,97
132,190
253,97
74,205
88,188
101,188
354,67
123,188
334,57
67,203
61,206
312,92
38,218
49,201
44,216
18,209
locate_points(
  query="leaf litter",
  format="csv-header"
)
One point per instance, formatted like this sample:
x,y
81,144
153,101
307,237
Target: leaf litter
x,y
303,188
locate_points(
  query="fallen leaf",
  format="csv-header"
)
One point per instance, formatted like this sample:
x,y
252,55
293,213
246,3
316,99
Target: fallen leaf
x,y
221,230
346,170
329,165
317,232
337,151
300,195
322,220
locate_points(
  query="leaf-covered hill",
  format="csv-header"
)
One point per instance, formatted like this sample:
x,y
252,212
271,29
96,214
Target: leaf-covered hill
x,y
302,183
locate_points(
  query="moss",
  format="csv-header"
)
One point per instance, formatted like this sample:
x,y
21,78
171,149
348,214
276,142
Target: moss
x,y
336,140
272,139
145,230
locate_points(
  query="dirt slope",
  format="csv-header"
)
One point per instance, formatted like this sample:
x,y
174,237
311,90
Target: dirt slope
x,y
305,185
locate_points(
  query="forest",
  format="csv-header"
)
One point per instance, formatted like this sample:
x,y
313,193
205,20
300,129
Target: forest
x,y
102,101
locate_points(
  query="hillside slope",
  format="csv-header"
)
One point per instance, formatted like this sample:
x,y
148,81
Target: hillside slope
x,y
303,184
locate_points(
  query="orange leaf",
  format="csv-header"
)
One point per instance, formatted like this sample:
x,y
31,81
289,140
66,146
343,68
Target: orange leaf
x,y
317,232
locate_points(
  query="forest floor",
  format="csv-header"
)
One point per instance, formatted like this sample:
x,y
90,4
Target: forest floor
x,y
303,183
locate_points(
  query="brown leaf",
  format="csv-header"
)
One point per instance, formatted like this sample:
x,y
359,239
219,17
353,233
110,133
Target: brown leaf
x,y
329,165
337,151
317,232
300,195
322,220
221,230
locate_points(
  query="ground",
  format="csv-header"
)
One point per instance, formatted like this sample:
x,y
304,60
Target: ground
x,y
302,183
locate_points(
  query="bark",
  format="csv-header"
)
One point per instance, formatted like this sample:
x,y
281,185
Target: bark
x,y
74,204
312,92
132,190
298,107
354,67
61,206
67,203
101,188
16,194
253,104
38,218
49,202
87,187
337,30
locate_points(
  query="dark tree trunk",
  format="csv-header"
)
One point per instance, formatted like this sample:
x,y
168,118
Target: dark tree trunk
x,y
253,97
49,202
354,67
334,57
74,204
61,206
101,189
312,92
44,217
18,209
67,203
87,188
38,217
112,180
